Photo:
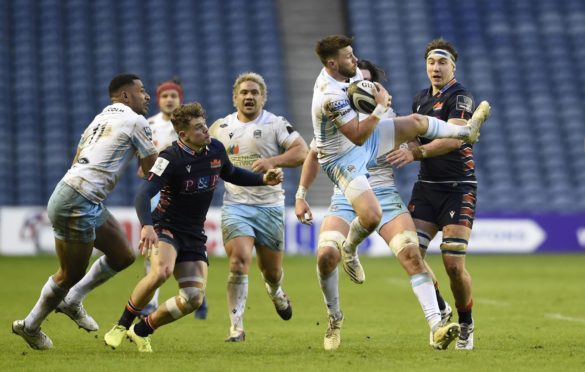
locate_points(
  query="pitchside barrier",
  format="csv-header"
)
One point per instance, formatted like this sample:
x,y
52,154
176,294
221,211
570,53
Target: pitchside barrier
x,y
27,231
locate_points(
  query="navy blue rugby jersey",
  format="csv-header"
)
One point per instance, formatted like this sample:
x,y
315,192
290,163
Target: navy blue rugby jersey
x,y
186,181
453,101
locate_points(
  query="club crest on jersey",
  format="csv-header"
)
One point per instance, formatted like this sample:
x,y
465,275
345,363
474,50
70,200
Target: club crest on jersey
x,y
188,167
351,168
223,125
233,149
215,163
464,103
452,213
257,133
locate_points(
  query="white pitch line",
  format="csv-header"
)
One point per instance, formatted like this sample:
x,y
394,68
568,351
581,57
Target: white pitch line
x,y
563,317
486,301
402,282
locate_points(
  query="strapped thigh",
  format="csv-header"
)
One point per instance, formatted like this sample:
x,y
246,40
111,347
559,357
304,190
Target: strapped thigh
x,y
454,246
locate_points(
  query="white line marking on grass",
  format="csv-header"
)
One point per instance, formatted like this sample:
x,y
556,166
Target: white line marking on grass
x,y
563,317
402,282
487,301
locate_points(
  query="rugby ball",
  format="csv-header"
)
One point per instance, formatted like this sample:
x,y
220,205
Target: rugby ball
x,y
360,96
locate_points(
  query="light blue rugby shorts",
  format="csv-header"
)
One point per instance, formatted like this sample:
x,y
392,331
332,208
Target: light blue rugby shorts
x,y
353,163
390,201
74,218
264,224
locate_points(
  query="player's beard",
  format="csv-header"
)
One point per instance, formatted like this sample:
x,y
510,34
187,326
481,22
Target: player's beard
x,y
348,72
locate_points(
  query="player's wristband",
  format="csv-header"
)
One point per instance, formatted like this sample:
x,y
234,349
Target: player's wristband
x,y
379,111
301,193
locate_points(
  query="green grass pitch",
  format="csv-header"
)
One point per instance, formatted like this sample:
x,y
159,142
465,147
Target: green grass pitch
x,y
529,313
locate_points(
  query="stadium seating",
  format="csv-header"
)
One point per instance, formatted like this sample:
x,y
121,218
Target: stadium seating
x,y
525,57
59,56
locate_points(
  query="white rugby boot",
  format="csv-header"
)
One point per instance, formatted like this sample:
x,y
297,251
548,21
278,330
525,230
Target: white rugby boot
x,y
480,115
37,340
465,341
78,314
332,338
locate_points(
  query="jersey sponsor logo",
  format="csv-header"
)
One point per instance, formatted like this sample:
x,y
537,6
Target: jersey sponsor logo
x,y
148,133
244,161
438,106
114,109
258,133
233,149
215,163
338,105
83,161
464,103
345,112
188,167
159,166
203,183
231,135
200,184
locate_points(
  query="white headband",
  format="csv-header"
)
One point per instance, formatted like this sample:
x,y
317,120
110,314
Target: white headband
x,y
442,53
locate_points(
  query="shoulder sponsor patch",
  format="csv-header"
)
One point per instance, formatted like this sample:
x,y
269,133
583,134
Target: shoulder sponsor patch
x,y
159,166
338,105
289,127
148,133
464,103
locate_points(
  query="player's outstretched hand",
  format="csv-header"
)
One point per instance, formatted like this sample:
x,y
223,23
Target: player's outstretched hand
x,y
303,212
148,240
273,177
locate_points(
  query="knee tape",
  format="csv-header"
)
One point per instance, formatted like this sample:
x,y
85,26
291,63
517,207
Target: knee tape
x,y
189,299
235,278
454,246
402,240
333,239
